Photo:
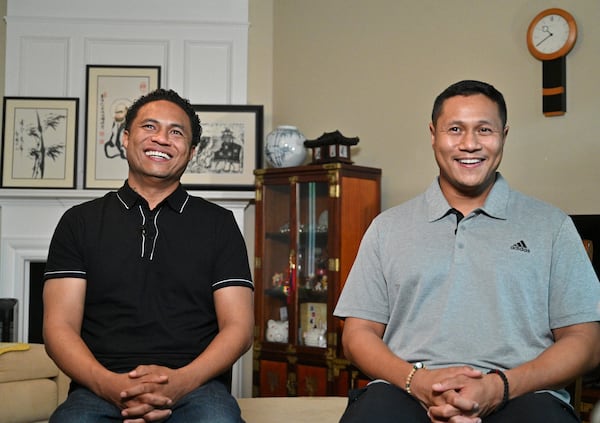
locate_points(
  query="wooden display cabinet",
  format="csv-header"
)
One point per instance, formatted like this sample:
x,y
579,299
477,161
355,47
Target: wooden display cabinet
x,y
309,224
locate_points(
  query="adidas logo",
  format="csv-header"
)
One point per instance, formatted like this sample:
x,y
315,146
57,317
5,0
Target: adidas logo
x,y
520,246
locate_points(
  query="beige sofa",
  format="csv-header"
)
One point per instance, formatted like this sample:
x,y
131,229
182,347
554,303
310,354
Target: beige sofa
x,y
292,409
31,387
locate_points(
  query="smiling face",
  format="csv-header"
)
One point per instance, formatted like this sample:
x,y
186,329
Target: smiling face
x,y
468,140
158,145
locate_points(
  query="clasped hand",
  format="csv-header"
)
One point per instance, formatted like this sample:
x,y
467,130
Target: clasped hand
x,y
147,394
456,394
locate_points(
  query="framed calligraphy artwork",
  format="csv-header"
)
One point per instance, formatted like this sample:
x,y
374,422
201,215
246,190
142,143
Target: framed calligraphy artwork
x,y
110,92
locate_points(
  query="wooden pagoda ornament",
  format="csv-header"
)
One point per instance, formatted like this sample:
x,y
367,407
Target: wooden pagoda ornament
x,y
331,147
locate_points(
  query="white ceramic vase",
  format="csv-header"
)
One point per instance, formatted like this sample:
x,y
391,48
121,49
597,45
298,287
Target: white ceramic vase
x,y
284,147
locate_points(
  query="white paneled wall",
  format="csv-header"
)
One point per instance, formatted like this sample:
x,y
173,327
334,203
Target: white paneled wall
x,y
201,47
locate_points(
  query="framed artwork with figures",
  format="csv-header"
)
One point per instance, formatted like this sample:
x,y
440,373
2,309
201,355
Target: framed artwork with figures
x,y
110,91
229,150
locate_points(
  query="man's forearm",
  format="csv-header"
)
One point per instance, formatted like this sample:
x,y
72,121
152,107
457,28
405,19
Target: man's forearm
x,y
224,350
74,358
575,351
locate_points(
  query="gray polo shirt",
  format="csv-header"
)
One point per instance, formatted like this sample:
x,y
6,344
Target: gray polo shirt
x,y
485,291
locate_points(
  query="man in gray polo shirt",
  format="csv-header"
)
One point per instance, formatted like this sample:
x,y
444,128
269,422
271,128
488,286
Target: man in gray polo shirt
x,y
471,301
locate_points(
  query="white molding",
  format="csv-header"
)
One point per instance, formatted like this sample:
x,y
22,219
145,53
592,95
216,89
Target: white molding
x,y
84,194
96,46
210,10
37,20
17,253
192,50
28,44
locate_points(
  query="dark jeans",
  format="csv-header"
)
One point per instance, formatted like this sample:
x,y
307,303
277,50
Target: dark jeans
x,y
210,403
383,403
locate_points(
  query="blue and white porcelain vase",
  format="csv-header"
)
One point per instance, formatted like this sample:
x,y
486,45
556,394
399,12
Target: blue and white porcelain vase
x,y
284,147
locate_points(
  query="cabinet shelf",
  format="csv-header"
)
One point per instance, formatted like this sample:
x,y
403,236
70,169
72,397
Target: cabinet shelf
x,y
309,221
278,236
304,295
276,293
311,295
320,236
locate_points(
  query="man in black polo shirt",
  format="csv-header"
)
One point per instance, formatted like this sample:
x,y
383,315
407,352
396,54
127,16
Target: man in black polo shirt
x,y
148,298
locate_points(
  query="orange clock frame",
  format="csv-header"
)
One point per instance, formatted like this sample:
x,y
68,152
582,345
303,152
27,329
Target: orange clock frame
x,y
569,43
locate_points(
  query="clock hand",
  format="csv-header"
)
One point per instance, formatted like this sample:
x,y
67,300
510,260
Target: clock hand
x,y
547,36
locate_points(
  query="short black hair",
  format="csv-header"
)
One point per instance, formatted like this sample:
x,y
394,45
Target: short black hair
x,y
467,88
173,97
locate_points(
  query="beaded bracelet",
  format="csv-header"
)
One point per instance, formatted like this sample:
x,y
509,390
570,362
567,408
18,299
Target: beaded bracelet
x,y
505,381
416,367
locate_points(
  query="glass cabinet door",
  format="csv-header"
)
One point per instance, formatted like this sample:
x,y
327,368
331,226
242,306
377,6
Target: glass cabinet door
x,y
311,263
294,263
277,263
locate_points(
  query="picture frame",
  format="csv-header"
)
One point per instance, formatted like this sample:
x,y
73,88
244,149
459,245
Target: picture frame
x,y
110,91
231,147
39,142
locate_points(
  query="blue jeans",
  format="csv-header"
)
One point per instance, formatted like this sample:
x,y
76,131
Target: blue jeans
x,y
209,403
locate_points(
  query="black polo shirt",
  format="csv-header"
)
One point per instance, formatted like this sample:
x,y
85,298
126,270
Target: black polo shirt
x,y
150,274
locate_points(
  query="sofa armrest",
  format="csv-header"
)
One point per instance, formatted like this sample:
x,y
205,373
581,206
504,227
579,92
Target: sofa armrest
x,y
63,382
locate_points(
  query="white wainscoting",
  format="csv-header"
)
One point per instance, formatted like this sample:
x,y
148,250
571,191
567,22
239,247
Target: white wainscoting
x,y
200,45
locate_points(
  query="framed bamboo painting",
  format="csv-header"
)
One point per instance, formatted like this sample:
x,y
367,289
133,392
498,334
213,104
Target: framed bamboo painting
x,y
39,142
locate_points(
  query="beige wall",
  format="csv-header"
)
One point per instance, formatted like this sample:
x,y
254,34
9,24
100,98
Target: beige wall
x,y
372,69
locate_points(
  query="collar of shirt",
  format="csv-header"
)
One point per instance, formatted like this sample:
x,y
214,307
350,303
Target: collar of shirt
x,y
495,206
176,201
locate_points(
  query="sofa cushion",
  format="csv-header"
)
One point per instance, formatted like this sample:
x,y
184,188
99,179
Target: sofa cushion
x,y
27,400
292,409
33,363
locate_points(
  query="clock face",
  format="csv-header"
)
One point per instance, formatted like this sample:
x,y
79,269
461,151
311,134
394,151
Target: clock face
x,y
550,34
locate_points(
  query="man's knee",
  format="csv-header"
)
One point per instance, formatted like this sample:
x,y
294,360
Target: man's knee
x,y
382,402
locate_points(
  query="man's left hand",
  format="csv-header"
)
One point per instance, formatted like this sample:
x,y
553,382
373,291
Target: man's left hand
x,y
152,398
460,392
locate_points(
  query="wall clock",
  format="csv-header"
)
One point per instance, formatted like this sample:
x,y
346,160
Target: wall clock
x,y
551,36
